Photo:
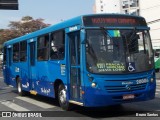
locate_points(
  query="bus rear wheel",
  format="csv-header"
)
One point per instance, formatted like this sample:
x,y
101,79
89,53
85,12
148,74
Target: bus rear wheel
x,y
19,88
62,97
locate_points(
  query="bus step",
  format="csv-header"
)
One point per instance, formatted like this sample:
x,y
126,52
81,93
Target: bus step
x,y
75,102
33,92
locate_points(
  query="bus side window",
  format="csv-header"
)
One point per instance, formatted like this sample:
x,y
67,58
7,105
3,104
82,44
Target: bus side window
x,y
23,50
57,45
16,52
42,47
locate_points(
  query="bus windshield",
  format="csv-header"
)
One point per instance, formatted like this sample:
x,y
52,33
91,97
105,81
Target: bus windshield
x,y
118,51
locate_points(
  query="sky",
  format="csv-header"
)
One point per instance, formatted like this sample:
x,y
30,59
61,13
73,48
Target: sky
x,y
52,11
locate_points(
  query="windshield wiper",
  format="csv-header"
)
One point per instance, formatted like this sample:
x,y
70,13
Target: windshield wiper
x,y
105,33
133,35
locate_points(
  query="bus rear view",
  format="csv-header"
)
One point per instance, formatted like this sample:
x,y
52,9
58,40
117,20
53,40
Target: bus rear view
x,y
119,60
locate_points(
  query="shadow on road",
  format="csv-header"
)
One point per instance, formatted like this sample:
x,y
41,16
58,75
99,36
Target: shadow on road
x,y
78,111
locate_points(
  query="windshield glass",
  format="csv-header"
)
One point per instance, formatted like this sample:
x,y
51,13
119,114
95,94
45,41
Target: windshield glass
x,y
118,51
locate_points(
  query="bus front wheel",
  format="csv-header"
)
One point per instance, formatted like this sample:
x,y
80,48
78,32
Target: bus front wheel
x,y
19,87
62,97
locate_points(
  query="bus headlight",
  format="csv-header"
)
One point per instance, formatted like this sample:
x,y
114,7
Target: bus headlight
x,y
94,84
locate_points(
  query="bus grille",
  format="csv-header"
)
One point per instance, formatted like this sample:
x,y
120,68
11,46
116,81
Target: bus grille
x,y
126,88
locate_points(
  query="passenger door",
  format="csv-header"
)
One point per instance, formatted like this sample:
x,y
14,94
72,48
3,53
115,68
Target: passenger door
x,y
7,64
32,56
75,76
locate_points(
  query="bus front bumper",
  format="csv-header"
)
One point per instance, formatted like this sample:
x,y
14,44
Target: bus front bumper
x,y
97,98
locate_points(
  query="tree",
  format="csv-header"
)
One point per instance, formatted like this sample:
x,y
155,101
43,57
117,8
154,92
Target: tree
x,y
18,28
8,34
27,25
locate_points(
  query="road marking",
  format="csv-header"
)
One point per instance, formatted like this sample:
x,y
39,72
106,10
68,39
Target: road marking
x,y
158,90
158,87
6,87
158,81
35,102
13,106
10,86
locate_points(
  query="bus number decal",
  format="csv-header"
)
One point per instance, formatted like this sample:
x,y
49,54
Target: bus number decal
x,y
74,28
63,69
16,69
141,81
31,40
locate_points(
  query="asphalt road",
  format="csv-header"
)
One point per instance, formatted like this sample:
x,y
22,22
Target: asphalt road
x,y
10,101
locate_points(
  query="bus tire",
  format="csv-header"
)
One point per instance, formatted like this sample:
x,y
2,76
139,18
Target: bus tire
x,y
62,97
19,88
157,70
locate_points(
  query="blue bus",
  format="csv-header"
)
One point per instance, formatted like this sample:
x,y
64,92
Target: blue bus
x,y
91,60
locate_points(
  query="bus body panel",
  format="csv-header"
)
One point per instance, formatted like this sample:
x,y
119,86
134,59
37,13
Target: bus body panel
x,y
111,89
47,74
99,98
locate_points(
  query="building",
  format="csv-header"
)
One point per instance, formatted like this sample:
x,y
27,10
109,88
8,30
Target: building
x,y
146,8
117,6
107,6
150,10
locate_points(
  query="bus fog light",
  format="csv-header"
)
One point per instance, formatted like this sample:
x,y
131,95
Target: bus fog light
x,y
152,79
93,84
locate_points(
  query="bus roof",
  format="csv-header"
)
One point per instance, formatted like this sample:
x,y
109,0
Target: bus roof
x,y
80,20
62,25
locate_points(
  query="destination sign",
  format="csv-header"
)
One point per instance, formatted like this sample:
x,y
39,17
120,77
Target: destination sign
x,y
113,21
110,67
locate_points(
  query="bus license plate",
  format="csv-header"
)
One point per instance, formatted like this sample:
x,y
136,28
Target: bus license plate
x,y
126,97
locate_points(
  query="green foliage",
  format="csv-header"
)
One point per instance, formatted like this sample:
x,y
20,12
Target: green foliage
x,y
18,28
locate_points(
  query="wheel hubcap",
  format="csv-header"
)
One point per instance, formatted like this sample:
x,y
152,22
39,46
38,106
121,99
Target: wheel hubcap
x,y
62,96
19,88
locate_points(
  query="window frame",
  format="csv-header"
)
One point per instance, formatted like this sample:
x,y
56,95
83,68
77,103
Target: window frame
x,y
23,50
60,46
16,49
43,50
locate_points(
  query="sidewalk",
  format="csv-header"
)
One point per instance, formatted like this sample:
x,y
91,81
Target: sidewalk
x,y
1,74
158,78
158,75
